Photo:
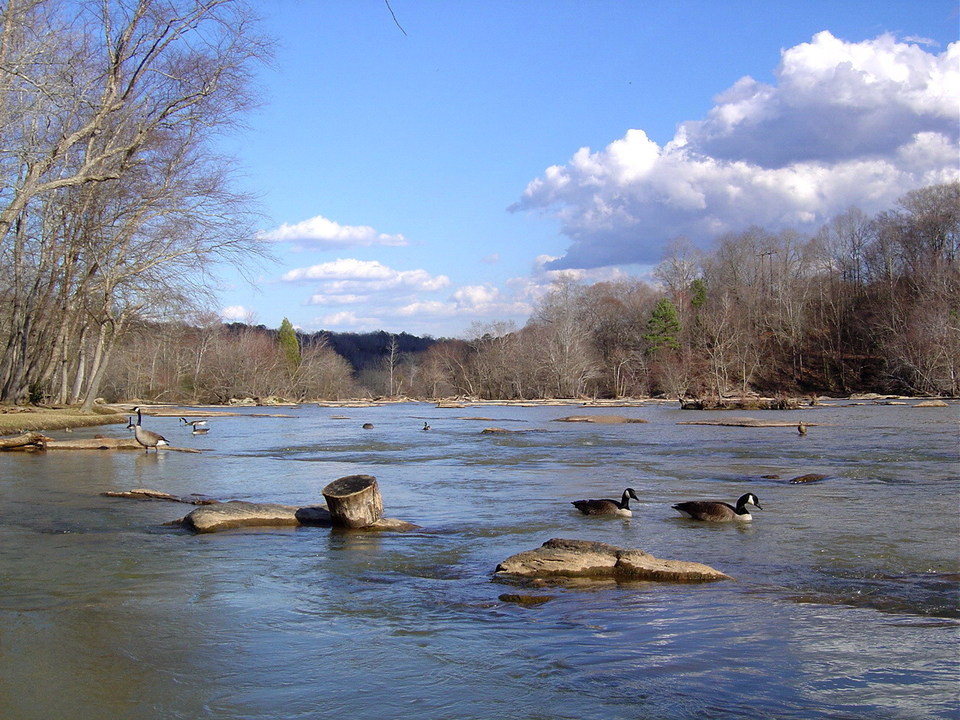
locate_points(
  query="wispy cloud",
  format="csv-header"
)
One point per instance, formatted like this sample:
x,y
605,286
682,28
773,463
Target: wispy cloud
x,y
323,233
845,124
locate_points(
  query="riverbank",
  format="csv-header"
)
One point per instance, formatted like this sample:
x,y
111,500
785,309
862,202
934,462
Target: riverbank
x,y
16,419
20,419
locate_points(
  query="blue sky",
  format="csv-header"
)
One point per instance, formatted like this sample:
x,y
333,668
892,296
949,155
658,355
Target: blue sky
x,y
438,177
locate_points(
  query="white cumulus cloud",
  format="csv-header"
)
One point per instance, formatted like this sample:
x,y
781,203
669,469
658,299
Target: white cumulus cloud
x,y
341,275
845,124
322,232
236,313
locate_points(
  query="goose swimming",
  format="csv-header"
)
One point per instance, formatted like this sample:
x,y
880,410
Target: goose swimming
x,y
606,506
147,438
716,511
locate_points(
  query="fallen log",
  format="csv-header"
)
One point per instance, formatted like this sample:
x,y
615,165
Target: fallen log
x,y
354,501
24,441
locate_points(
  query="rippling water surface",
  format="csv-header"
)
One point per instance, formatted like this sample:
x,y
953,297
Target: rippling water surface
x,y
844,603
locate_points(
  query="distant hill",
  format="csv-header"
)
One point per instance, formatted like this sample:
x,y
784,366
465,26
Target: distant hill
x,y
367,350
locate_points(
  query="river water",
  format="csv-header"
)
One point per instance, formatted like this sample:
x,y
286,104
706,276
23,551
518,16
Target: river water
x,y
844,602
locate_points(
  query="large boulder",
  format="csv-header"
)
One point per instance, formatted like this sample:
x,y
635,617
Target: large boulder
x,y
560,558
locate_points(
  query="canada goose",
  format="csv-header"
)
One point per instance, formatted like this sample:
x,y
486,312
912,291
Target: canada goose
x,y
802,428
607,507
194,423
367,426
425,426
200,430
716,511
147,438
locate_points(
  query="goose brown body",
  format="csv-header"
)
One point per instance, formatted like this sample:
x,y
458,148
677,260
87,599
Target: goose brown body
x,y
147,438
607,506
717,511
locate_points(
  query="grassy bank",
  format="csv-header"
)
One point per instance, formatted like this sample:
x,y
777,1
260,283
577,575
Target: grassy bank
x,y
15,420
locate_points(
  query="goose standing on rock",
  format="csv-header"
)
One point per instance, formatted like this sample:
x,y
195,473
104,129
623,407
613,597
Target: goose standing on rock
x,y
608,507
716,511
147,438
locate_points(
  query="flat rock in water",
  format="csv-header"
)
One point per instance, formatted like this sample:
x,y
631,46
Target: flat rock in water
x,y
744,422
560,558
931,403
237,514
600,419
390,524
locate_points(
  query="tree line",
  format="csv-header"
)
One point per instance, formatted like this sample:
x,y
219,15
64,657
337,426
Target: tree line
x,y
867,303
116,212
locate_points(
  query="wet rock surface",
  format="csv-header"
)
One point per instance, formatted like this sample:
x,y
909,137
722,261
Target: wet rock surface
x,y
560,558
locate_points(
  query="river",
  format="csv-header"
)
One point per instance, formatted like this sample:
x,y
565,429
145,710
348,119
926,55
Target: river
x,y
844,602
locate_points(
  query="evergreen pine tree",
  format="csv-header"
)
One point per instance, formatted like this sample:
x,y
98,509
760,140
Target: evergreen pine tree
x,y
663,327
289,345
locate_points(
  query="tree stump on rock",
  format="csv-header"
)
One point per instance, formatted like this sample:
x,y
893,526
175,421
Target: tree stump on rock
x,y
354,501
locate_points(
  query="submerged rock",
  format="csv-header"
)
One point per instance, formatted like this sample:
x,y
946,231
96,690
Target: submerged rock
x,y
525,600
808,478
560,558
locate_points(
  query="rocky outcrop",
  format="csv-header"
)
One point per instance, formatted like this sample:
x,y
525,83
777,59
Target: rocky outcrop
x,y
740,403
560,558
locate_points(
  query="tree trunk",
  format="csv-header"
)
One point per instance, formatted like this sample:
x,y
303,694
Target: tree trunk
x,y
354,501
25,441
